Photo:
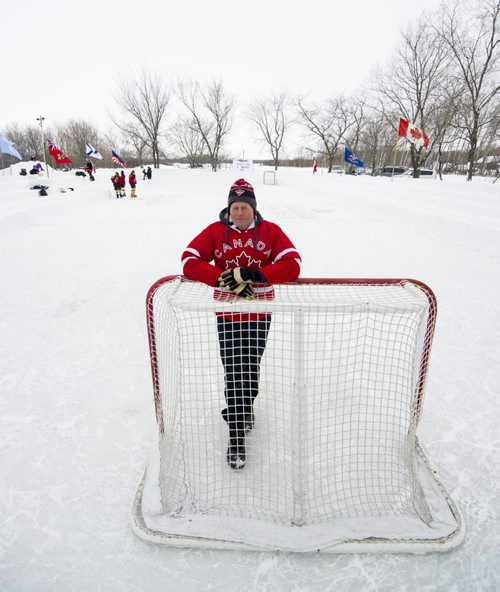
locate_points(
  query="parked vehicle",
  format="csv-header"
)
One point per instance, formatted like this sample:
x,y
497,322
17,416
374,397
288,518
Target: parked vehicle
x,y
337,169
390,171
427,173
354,170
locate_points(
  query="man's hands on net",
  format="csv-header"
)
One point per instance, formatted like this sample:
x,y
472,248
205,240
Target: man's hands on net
x,y
230,278
239,281
245,291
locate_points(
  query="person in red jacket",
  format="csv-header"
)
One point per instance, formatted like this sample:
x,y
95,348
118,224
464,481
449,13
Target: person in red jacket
x,y
89,169
115,179
241,256
132,180
122,183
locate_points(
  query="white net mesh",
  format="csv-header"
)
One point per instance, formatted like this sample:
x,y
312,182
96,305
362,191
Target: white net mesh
x,y
339,392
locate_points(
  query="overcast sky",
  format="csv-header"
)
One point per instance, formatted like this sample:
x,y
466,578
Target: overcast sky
x,y
62,60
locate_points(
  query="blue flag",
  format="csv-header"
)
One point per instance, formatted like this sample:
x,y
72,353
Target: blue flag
x,y
7,147
350,158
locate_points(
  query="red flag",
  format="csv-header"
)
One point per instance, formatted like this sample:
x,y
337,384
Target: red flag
x,y
52,147
60,157
413,134
403,127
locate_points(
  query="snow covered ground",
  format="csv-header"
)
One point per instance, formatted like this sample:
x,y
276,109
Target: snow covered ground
x,y
76,412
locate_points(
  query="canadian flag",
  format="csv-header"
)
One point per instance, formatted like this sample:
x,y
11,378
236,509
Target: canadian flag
x,y
413,134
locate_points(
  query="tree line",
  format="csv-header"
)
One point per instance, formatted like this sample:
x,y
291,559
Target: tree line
x,y
443,76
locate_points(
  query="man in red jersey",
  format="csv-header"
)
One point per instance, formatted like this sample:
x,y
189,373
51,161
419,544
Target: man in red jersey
x,y
249,254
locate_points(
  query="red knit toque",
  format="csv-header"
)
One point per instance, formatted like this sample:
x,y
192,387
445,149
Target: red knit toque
x,y
241,190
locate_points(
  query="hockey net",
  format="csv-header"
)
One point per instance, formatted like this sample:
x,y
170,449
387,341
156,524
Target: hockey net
x,y
333,460
270,178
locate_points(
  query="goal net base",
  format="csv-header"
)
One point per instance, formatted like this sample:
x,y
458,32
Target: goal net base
x,y
383,534
330,376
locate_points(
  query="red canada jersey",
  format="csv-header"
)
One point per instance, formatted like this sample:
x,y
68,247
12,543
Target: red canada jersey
x,y
263,246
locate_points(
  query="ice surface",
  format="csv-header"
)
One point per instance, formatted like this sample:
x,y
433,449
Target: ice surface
x,y
76,412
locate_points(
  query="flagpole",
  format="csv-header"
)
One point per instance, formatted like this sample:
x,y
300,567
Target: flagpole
x,y
394,157
40,119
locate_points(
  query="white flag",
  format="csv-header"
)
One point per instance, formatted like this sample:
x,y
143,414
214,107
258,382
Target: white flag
x,y
91,151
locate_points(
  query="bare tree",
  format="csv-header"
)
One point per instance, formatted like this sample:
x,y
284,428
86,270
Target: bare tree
x,y
113,140
353,137
413,84
474,46
140,148
72,135
271,115
210,111
329,122
444,131
187,141
144,98
26,139
375,137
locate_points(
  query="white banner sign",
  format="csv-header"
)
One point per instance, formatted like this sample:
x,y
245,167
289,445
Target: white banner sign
x,y
243,165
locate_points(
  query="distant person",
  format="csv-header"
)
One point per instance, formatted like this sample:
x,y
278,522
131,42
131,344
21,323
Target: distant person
x,y
132,179
315,167
149,172
37,169
89,169
115,179
123,182
144,174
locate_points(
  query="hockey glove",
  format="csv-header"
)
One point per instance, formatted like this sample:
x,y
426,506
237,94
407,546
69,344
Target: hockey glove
x,y
246,292
242,290
231,278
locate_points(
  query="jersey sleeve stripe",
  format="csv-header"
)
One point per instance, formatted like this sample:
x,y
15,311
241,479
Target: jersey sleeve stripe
x,y
285,252
184,261
193,251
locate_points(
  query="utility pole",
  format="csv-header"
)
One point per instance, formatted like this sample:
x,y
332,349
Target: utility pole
x,y
40,120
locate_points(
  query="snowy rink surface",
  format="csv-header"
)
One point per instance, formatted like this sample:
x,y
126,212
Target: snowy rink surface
x,y
76,404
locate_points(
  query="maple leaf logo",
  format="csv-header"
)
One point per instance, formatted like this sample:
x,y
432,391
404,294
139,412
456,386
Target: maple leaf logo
x,y
242,260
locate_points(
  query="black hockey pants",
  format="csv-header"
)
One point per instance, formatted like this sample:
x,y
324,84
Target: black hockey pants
x,y
241,348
